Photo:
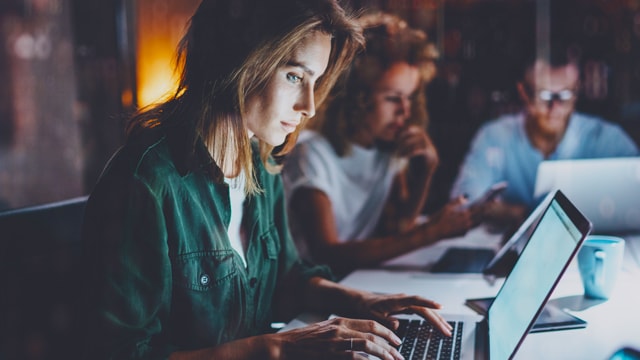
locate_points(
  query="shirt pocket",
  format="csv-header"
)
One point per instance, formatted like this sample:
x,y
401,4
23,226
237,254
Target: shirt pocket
x,y
208,297
205,270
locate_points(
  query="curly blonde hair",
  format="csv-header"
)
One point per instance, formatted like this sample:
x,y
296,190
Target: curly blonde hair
x,y
388,40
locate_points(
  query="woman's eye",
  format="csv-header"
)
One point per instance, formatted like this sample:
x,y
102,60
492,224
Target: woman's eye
x,y
394,99
294,78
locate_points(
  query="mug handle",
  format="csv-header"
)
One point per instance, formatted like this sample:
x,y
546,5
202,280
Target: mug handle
x,y
598,273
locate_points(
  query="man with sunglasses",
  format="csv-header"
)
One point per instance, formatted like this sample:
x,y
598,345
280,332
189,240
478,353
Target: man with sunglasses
x,y
511,147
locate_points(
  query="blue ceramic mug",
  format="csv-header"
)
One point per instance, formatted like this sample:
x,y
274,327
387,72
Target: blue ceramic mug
x,y
599,261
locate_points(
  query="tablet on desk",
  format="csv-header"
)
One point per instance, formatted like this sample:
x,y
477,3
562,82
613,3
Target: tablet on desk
x,y
483,260
463,260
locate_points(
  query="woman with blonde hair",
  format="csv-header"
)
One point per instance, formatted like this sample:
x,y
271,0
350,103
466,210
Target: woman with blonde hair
x,y
187,243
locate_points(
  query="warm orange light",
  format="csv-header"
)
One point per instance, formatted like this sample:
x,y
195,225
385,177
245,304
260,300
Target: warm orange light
x,y
126,98
160,25
155,74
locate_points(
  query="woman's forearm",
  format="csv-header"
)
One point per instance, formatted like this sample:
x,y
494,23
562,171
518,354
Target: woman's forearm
x,y
256,347
418,181
325,296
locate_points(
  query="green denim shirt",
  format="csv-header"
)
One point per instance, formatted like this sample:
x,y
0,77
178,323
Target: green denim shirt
x,y
162,275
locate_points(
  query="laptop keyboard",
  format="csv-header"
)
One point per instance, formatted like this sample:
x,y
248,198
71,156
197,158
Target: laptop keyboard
x,y
421,340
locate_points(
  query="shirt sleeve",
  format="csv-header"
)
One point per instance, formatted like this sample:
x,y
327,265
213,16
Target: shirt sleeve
x,y
294,266
482,165
130,278
308,166
614,141
294,272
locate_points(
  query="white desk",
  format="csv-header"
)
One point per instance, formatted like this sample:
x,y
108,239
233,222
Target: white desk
x,y
612,324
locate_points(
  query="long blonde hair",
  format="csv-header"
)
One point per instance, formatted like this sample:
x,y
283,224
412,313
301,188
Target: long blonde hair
x,y
230,51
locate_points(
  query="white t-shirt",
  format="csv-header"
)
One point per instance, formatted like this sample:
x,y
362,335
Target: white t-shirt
x,y
236,198
357,184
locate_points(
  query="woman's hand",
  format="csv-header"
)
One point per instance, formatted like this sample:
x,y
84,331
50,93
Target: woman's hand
x,y
500,214
373,336
450,221
414,141
337,338
382,308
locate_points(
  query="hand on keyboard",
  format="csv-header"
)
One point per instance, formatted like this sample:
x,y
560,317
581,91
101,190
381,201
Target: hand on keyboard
x,y
382,308
330,339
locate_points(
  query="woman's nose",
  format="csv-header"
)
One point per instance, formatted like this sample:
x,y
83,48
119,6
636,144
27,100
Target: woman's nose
x,y
404,108
307,105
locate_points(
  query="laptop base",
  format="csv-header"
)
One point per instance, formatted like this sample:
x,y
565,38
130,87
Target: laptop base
x,y
551,318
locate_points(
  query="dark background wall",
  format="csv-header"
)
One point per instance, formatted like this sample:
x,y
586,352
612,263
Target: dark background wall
x,y
59,85
65,90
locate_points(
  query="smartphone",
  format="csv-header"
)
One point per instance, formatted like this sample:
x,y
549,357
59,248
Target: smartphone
x,y
493,192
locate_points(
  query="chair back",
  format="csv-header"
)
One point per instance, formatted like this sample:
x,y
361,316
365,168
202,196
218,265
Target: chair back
x,y
40,257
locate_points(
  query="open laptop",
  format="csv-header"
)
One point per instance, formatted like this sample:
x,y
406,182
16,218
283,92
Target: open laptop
x,y
487,261
606,190
553,243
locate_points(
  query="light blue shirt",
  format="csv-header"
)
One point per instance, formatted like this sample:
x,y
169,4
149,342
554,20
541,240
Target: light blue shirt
x,y
501,151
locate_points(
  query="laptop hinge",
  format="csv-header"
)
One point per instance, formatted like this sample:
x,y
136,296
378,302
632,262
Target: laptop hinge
x,y
482,340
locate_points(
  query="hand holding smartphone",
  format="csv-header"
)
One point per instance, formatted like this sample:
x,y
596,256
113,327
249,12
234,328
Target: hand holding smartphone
x,y
493,192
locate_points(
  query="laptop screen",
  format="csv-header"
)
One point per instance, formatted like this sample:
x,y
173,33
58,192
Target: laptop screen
x,y
537,271
519,239
604,189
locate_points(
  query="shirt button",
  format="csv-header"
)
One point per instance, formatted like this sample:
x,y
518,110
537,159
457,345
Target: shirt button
x,y
253,282
204,279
